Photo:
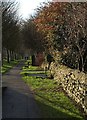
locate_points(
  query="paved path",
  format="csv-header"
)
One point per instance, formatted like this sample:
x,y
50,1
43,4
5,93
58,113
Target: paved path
x,y
18,101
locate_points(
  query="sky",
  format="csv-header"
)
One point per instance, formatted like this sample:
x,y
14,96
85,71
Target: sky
x,y
26,7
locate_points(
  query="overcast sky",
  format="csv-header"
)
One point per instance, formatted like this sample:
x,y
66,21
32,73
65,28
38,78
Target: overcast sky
x,y
26,7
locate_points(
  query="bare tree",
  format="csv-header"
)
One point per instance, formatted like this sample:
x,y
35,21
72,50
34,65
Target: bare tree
x,y
10,27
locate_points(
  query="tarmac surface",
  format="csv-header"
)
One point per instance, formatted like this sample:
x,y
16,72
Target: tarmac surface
x,y
17,98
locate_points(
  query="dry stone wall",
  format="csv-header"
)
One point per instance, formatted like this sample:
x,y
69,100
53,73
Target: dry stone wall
x,y
73,81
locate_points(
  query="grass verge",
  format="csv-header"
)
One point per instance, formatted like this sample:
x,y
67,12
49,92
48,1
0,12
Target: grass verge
x,y
6,66
51,99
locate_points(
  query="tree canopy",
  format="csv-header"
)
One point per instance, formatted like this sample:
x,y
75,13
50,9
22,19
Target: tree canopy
x,y
65,31
10,25
31,37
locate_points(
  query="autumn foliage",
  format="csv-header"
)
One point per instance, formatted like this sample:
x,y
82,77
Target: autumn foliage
x,y
65,31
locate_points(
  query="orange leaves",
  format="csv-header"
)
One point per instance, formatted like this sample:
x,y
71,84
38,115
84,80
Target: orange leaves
x,y
49,17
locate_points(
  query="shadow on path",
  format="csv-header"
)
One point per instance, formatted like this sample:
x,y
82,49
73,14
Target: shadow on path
x,y
17,99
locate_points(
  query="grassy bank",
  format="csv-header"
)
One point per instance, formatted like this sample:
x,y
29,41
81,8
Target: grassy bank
x,y
51,98
6,66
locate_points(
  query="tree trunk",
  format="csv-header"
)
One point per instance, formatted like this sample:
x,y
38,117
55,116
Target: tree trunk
x,y
22,56
15,56
81,64
12,55
2,58
33,60
8,60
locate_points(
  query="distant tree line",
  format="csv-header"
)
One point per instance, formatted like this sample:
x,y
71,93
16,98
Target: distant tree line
x,y
31,37
10,30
